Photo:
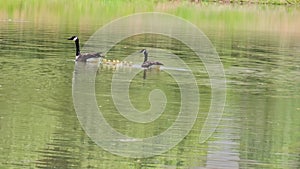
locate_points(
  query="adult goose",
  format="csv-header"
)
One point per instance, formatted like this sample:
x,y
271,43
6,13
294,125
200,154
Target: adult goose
x,y
86,57
149,64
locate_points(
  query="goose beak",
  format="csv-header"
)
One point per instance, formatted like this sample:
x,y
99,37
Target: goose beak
x,y
71,38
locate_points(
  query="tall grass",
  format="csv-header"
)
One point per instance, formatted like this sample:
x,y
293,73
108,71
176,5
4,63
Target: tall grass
x,y
75,10
99,12
274,2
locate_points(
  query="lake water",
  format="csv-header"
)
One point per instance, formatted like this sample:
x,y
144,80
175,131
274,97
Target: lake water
x,y
41,128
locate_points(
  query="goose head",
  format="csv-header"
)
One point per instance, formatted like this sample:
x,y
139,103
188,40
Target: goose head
x,y
74,38
143,51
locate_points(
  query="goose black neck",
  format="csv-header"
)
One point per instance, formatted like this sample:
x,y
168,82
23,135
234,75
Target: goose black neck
x,y
145,56
77,47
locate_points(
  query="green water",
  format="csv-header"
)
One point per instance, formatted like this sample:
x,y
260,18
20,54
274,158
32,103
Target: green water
x,y
259,47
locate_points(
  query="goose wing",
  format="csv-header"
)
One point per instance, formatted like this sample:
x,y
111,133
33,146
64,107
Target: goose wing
x,y
149,63
86,56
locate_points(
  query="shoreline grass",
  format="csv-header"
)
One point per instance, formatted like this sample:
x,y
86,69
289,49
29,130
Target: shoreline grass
x,y
204,14
258,2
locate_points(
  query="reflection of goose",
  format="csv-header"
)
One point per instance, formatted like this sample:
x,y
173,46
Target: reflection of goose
x,y
86,56
146,63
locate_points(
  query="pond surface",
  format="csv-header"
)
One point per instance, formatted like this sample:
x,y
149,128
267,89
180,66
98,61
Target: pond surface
x,y
260,124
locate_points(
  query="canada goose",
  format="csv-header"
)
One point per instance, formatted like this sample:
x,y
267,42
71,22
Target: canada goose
x,y
86,56
146,63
